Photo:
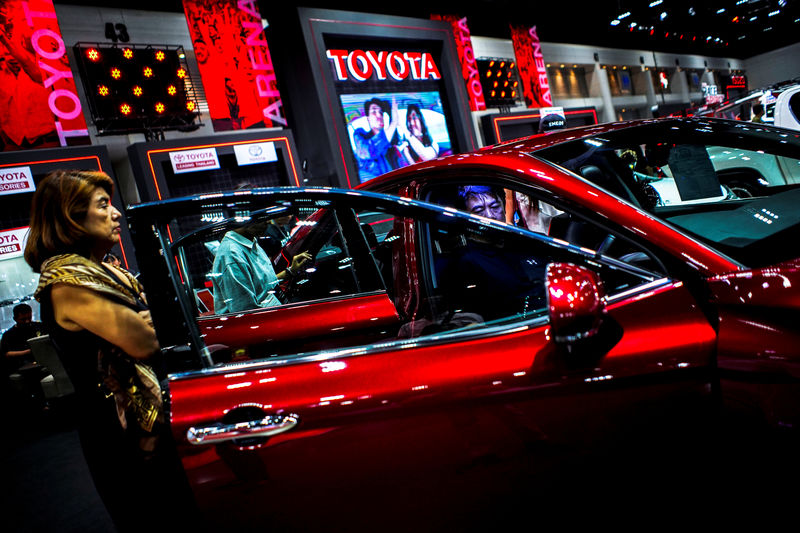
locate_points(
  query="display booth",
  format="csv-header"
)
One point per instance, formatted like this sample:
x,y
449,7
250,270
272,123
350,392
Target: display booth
x,y
228,162
403,71
20,174
502,127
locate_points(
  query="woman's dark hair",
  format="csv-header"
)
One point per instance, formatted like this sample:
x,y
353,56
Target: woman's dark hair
x,y
426,138
58,208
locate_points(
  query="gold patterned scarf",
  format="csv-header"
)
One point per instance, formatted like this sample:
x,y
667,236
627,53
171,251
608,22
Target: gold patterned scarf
x,y
133,384
76,270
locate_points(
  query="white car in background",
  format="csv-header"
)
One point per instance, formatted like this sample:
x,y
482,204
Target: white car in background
x,y
787,109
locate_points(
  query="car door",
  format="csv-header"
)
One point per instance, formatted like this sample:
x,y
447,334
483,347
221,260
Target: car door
x,y
453,417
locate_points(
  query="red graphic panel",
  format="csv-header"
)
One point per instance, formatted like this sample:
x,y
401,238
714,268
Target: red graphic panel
x,y
466,54
532,70
39,104
235,64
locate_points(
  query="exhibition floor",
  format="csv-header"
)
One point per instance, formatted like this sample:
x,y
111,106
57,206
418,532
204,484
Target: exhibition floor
x,y
48,485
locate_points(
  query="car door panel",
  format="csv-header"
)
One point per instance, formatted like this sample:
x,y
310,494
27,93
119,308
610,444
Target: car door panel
x,y
448,430
366,315
435,418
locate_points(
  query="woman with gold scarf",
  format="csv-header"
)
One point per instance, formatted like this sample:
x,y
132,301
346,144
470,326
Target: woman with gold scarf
x,y
100,324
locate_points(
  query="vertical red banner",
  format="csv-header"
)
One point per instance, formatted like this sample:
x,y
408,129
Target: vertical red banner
x,y
235,64
466,54
39,104
532,69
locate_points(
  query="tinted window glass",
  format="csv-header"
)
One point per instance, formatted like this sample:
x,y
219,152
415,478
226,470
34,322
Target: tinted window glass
x,y
730,184
528,210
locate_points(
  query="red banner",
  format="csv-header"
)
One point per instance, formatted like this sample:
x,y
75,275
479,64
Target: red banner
x,y
39,104
469,67
532,70
235,64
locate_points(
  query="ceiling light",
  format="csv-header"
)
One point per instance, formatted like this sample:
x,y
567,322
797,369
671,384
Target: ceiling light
x,y
663,15
773,13
654,4
692,11
626,14
614,22
720,11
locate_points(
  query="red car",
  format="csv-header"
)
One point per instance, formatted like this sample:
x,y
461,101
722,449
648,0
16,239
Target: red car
x,y
529,324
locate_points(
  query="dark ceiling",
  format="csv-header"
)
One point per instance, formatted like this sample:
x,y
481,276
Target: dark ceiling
x,y
725,28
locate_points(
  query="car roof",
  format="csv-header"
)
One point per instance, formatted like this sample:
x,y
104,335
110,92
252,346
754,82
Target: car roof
x,y
516,160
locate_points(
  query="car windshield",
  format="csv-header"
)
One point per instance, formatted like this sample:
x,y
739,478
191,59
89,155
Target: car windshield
x,y
733,185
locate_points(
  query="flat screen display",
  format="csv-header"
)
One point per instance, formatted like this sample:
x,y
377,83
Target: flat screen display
x,y
388,131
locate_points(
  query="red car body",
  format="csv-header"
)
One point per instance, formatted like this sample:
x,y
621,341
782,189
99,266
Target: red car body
x,y
353,429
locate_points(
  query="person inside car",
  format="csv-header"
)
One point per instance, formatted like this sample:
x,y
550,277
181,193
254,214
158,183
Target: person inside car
x,y
243,276
491,278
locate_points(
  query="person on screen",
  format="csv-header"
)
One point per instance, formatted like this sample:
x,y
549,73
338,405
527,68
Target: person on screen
x,y
243,276
373,147
420,146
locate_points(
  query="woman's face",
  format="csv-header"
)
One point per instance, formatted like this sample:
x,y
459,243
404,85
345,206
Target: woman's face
x,y
102,220
414,124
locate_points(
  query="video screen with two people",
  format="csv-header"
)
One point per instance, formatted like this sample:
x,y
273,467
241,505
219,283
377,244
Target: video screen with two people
x,y
388,131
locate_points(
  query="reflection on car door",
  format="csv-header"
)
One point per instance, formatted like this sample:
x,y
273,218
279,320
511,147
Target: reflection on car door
x,y
452,426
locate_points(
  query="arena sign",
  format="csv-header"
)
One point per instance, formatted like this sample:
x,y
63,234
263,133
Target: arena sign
x,y
361,65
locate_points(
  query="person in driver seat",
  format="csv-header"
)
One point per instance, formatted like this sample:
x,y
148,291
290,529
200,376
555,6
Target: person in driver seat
x,y
489,277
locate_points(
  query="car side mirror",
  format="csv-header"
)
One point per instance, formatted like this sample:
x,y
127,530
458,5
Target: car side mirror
x,y
575,301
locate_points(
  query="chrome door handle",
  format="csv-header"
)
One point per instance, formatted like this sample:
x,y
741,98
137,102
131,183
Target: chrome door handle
x,y
264,427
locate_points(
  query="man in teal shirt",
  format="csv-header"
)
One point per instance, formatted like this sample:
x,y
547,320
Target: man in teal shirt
x,y
243,276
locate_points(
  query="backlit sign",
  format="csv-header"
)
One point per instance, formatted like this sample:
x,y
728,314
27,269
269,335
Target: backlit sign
x,y
362,65
531,66
255,153
16,180
194,160
235,64
466,54
12,242
39,104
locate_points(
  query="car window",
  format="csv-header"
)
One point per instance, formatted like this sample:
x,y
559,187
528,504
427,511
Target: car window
x,y
374,276
242,261
526,208
729,184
